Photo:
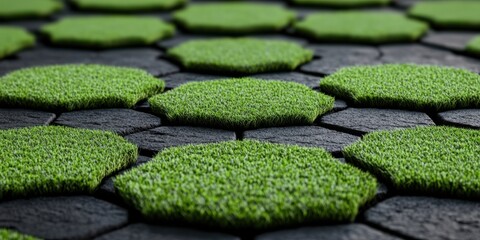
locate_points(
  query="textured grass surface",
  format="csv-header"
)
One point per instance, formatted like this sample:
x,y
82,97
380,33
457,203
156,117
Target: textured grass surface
x,y
15,9
73,87
427,160
234,18
240,55
107,31
246,184
59,160
474,46
361,27
341,3
13,39
127,5
449,14
242,103
408,86
6,234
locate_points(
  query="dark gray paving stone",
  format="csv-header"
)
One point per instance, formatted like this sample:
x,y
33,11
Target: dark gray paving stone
x,y
19,118
141,231
78,217
365,120
156,67
456,41
336,232
157,139
428,218
330,65
344,50
309,136
177,79
121,121
339,105
32,25
308,80
463,117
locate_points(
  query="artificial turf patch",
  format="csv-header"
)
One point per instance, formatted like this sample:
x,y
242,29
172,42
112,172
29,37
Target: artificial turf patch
x,y
342,3
15,9
73,87
361,27
127,5
408,86
449,14
473,46
59,160
234,18
241,103
13,39
107,31
7,234
424,160
240,55
246,184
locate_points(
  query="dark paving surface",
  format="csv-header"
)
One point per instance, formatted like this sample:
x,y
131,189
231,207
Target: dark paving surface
x,y
462,117
18,118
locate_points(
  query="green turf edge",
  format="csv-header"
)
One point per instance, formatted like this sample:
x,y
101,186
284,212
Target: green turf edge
x,y
81,5
27,40
340,4
473,46
55,7
7,234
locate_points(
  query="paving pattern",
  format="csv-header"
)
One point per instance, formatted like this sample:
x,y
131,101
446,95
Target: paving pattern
x,y
103,215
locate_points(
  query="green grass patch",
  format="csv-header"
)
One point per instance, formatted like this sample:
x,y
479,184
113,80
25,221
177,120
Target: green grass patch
x,y
240,55
241,103
107,31
234,18
14,39
341,3
127,5
16,9
473,46
408,86
246,184
425,160
360,27
7,234
59,160
449,14
74,87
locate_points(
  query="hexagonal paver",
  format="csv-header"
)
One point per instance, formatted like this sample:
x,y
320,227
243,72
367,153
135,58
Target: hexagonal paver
x,y
240,55
405,86
246,184
452,40
425,160
73,87
462,117
341,4
13,39
19,118
107,31
241,103
448,14
234,18
350,26
127,5
15,9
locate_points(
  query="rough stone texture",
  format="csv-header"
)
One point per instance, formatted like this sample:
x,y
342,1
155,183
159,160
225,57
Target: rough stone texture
x,y
365,120
309,136
462,117
308,80
19,118
121,121
456,41
344,50
78,217
156,139
150,232
177,79
330,65
428,218
339,105
337,232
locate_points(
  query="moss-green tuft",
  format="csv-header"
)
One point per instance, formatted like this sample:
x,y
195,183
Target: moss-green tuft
x,y
449,14
341,3
246,184
473,46
242,103
234,18
13,39
240,55
59,160
361,27
73,87
16,9
426,160
7,234
408,86
127,5
107,31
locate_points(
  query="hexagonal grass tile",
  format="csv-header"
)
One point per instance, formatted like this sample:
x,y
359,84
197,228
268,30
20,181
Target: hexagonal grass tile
x,y
107,31
448,14
360,27
341,4
408,86
16,9
241,103
59,160
234,18
13,39
8,234
127,5
246,185
74,87
440,161
473,46
240,55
